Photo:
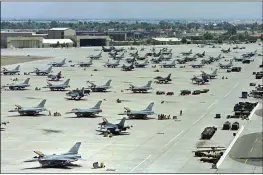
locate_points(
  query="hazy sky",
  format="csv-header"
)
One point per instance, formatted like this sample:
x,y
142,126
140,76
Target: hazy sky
x,y
135,10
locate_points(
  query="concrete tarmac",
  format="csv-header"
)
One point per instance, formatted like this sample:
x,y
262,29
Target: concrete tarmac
x,y
144,149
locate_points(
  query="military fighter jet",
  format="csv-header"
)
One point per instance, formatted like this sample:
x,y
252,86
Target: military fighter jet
x,y
169,65
200,55
112,65
12,71
226,51
197,65
210,75
57,87
187,53
226,66
18,86
30,111
60,160
42,72
215,58
128,68
54,77
139,114
163,79
95,57
250,54
199,81
141,65
141,88
85,64
113,128
76,94
100,88
87,112
58,64
104,49
118,57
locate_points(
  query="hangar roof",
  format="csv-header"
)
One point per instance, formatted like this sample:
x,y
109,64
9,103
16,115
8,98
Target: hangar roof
x,y
55,41
167,39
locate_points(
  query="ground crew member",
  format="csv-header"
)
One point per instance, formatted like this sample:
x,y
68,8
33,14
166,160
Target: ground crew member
x,y
49,113
181,112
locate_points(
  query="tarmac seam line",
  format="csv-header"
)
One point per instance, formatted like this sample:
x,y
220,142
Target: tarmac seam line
x,y
231,90
140,163
173,138
212,104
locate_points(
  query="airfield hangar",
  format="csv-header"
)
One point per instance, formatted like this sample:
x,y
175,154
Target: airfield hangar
x,y
53,37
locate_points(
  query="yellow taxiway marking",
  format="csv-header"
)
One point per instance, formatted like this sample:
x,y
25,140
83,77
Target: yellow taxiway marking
x,y
256,140
246,161
251,150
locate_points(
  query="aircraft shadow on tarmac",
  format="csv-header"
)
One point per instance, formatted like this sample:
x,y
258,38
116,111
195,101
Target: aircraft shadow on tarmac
x,y
58,167
89,117
38,115
138,118
82,99
121,134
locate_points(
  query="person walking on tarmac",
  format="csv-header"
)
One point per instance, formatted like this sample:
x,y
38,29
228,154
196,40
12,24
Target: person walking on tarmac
x,y
181,112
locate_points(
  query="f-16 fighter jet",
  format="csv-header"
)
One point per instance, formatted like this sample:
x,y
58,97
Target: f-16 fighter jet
x,y
85,64
112,65
199,81
163,79
95,57
226,51
55,77
139,114
116,129
187,53
250,54
62,86
12,71
18,86
42,72
128,68
58,64
200,55
142,65
104,49
226,66
60,160
90,112
118,57
169,65
197,65
75,94
210,75
141,88
30,111
101,88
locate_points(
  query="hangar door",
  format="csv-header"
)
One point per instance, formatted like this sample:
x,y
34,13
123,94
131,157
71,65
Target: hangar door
x,y
92,42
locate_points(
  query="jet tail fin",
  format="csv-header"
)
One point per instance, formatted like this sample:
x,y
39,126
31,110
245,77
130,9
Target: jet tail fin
x,y
149,84
39,153
67,82
108,83
215,71
63,61
75,148
26,81
191,51
49,69
122,122
150,107
169,76
97,106
42,103
17,67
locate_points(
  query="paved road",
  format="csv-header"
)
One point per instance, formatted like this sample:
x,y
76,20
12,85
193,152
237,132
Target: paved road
x,y
248,149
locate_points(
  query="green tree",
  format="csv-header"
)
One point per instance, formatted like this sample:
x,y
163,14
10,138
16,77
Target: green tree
x,y
208,36
184,41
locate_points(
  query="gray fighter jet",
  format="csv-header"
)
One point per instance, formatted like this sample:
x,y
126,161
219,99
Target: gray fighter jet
x,y
200,55
55,77
116,129
95,57
90,112
85,64
42,72
163,79
197,80
18,86
141,88
128,68
118,57
62,86
75,94
58,64
197,65
187,53
139,114
226,66
226,51
12,71
60,160
30,111
101,88
112,65
141,65
210,75
169,65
